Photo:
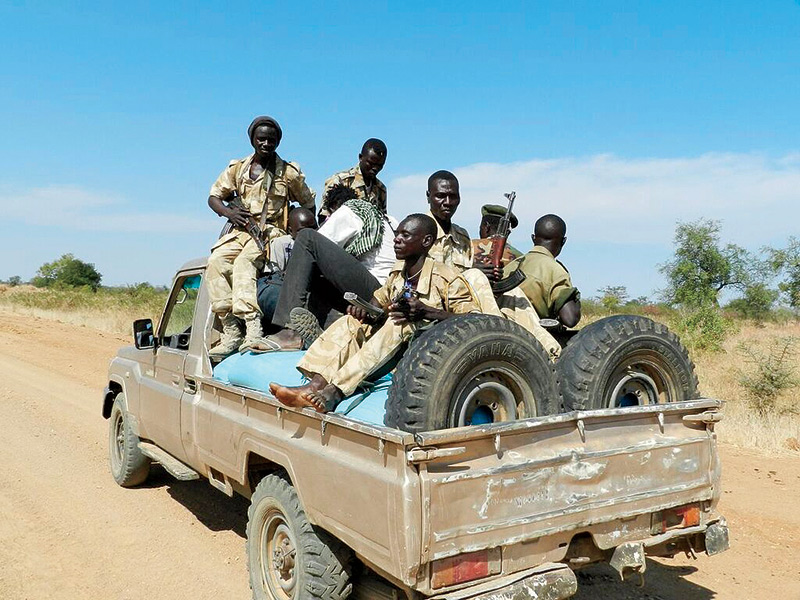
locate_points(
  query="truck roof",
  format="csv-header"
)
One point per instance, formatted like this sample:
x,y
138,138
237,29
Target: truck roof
x,y
194,263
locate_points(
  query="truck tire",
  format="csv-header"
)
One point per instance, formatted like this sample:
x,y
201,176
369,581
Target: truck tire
x,y
625,360
129,467
471,370
288,558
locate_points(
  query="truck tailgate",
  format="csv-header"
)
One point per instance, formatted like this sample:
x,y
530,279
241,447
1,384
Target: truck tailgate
x,y
512,483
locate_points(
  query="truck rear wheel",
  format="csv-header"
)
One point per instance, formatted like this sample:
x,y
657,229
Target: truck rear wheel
x,y
288,558
625,360
129,466
471,370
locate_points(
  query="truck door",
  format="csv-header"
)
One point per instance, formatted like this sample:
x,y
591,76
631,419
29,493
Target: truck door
x,y
161,392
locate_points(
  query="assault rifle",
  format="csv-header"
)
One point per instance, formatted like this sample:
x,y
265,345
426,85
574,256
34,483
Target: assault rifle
x,y
499,240
252,225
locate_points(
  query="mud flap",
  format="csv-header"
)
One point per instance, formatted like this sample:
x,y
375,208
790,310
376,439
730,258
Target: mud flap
x,y
717,539
629,556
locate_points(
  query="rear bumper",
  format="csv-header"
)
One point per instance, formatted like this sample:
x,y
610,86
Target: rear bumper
x,y
552,581
630,556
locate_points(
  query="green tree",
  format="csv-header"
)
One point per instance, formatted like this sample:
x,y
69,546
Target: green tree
x,y
14,281
756,303
702,267
786,261
612,297
67,271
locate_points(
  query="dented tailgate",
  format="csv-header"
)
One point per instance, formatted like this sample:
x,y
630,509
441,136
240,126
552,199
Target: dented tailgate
x,y
506,484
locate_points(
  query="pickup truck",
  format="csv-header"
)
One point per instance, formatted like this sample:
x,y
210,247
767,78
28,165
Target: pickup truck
x,y
342,507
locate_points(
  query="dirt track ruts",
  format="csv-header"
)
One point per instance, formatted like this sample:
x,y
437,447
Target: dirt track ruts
x,y
67,531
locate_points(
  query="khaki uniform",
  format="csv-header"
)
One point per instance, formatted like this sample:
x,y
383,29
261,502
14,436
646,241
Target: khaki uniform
x,y
348,351
235,260
483,246
353,179
547,282
513,305
454,248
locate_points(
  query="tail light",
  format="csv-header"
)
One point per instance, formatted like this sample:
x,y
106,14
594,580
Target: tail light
x,y
675,518
465,567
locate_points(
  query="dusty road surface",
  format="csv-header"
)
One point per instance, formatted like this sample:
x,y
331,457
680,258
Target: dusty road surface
x,y
67,531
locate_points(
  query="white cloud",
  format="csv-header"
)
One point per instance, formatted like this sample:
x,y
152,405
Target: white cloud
x,y
73,208
608,199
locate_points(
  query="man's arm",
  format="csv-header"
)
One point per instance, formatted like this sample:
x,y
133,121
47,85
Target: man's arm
x,y
300,192
570,313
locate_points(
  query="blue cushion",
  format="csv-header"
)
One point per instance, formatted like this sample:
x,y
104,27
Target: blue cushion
x,y
257,371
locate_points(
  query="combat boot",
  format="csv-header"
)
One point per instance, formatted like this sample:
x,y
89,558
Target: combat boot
x,y
230,339
254,336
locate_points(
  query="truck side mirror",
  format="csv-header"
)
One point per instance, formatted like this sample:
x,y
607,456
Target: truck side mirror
x,y
143,333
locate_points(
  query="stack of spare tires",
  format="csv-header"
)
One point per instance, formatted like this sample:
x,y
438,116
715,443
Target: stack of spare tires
x,y
480,369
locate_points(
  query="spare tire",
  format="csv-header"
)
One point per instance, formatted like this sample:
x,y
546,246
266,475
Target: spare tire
x,y
625,360
469,370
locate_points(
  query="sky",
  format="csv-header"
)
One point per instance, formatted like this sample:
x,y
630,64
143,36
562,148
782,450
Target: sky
x,y
622,117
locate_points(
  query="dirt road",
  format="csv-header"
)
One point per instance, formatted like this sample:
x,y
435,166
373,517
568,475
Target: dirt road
x,y
68,532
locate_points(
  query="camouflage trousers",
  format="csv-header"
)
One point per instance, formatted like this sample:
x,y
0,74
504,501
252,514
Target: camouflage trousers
x,y
513,305
348,351
231,274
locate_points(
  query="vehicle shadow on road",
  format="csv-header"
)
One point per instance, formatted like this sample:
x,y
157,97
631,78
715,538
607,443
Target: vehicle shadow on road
x,y
661,582
212,508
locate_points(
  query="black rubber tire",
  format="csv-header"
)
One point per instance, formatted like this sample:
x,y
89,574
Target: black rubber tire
x,y
129,467
319,566
630,358
445,373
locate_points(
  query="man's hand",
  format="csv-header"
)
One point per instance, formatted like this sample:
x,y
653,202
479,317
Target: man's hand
x,y
238,216
493,274
408,311
359,313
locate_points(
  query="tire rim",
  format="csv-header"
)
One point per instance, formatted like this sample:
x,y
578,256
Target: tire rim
x,y
117,441
491,393
640,380
278,556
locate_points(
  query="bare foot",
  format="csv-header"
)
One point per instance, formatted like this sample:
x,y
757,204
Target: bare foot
x,y
325,399
294,396
288,339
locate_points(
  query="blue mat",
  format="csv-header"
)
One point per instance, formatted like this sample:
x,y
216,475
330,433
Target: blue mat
x,y
256,371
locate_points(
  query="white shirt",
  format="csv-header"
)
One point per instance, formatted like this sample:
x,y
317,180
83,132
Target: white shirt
x,y
280,248
343,225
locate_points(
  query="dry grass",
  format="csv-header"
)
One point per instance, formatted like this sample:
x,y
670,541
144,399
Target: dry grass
x,y
719,378
111,310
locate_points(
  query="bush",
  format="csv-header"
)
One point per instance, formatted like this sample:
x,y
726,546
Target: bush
x,y
771,373
703,329
69,272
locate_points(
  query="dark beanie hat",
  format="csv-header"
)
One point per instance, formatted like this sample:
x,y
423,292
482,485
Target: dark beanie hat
x,y
259,121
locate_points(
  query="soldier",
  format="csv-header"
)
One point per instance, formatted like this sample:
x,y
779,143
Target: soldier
x,y
547,282
453,246
362,178
265,184
481,247
419,290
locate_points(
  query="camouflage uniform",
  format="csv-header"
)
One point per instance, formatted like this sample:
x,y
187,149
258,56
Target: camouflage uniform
x,y
513,305
454,248
235,260
353,179
348,351
547,282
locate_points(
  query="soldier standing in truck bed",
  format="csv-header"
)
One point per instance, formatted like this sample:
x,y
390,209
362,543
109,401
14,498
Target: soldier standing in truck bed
x,y
265,185
490,221
363,178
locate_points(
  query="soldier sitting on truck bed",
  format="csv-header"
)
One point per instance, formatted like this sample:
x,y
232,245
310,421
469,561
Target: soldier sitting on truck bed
x,y
280,249
547,282
265,185
362,179
453,247
419,291
490,220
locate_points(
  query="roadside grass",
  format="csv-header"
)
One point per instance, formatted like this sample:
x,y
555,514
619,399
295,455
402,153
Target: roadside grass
x,y
114,309
108,309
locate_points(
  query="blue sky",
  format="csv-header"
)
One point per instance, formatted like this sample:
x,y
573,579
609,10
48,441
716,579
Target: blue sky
x,y
623,117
